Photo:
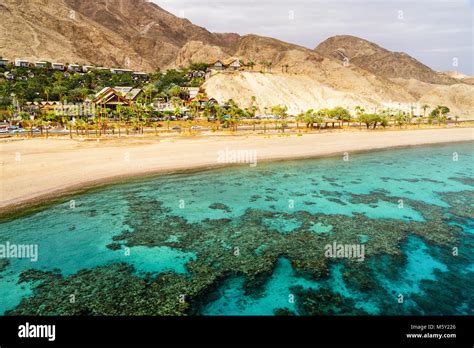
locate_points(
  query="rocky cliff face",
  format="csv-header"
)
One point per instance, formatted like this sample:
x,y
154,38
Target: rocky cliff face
x,y
379,61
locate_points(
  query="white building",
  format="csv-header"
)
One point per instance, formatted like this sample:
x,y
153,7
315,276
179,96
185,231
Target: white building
x,y
120,71
58,66
86,68
3,62
74,67
21,63
41,65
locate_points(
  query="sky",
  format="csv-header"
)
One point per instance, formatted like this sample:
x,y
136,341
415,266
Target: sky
x,y
439,33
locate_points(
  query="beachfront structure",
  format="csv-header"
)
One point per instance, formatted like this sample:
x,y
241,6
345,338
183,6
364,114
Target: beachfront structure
x,y
111,97
22,63
120,71
108,97
87,68
74,67
58,66
41,65
3,62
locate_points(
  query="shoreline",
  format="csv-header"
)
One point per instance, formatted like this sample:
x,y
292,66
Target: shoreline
x,y
329,146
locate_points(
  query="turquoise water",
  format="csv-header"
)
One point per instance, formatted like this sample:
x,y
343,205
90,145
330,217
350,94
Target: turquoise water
x,y
251,241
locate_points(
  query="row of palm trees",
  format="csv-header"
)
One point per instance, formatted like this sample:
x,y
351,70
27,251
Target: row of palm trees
x,y
133,119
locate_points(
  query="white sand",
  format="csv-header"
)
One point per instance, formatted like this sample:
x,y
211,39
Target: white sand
x,y
38,169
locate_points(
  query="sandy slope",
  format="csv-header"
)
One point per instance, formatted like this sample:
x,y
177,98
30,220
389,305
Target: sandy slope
x,y
47,168
337,87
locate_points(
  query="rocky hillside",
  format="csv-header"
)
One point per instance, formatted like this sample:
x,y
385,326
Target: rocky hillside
x,y
379,61
123,33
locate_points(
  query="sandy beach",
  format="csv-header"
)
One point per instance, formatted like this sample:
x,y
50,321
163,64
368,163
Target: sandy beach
x,y
38,169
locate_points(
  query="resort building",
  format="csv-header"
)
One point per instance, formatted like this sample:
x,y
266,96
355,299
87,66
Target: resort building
x,y
74,67
111,97
129,93
58,66
140,75
203,101
191,92
230,64
3,62
217,65
87,68
41,65
120,71
21,63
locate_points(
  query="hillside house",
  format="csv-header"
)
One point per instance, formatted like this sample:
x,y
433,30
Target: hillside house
x,y
58,66
217,65
3,62
74,67
87,68
120,71
232,64
21,63
140,76
41,65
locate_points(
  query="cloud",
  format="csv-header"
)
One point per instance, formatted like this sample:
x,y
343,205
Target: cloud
x,y
433,31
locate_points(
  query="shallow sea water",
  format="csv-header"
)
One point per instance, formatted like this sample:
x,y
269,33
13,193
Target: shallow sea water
x,y
250,241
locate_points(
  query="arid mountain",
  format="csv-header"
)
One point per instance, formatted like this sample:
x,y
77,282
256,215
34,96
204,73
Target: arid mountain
x,y
123,33
379,61
138,34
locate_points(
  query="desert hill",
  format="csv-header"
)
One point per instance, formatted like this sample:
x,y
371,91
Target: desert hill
x,y
378,60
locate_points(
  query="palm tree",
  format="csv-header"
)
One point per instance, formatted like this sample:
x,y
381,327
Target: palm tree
x,y
425,107
47,91
299,118
149,90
